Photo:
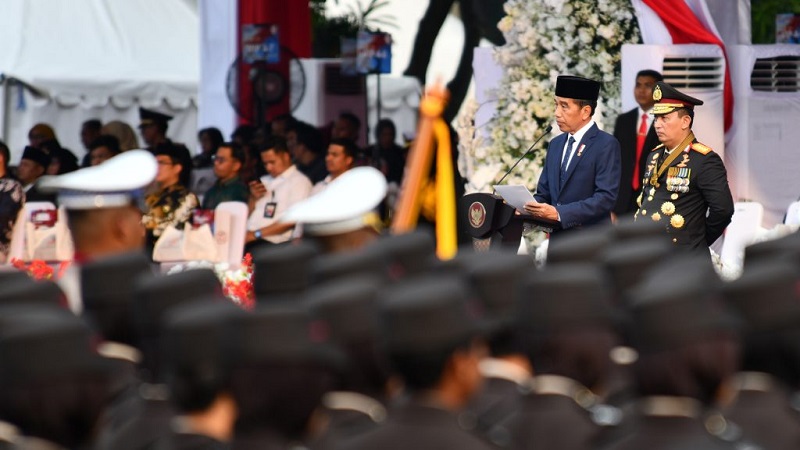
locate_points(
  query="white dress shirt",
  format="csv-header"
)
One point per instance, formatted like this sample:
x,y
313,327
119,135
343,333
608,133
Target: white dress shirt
x,y
284,190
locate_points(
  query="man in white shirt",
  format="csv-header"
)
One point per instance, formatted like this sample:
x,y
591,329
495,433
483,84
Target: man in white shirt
x,y
273,195
339,159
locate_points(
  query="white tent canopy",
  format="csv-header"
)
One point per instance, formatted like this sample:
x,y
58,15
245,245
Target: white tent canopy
x,y
83,59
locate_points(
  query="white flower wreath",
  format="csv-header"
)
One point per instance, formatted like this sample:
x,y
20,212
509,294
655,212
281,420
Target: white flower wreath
x,y
544,38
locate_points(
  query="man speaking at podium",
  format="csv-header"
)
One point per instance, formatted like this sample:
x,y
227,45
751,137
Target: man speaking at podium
x,y
580,179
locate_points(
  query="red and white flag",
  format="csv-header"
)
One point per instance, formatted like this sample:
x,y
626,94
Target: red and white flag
x,y
683,22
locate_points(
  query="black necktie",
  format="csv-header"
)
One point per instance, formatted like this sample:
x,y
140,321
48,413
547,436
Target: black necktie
x,y
565,161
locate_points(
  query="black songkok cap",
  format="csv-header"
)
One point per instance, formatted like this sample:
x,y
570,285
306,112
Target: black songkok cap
x,y
39,156
283,272
578,88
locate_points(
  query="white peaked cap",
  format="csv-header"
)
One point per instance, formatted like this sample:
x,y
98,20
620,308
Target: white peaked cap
x,y
341,207
116,182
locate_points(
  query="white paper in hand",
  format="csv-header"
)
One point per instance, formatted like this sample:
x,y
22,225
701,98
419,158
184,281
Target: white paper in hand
x,y
515,195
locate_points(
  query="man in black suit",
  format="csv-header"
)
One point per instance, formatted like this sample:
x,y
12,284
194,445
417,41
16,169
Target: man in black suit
x,y
636,135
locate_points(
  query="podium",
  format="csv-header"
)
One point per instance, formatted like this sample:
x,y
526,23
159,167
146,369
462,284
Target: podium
x,y
488,217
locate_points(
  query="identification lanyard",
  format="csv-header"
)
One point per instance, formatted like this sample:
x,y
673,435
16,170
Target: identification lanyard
x,y
270,207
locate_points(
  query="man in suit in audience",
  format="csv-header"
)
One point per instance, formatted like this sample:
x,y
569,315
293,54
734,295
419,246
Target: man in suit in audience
x,y
636,135
580,179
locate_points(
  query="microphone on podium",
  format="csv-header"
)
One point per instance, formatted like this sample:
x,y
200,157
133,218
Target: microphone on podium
x,y
546,132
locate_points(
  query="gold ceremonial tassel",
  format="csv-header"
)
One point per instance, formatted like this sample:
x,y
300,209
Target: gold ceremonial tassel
x,y
446,242
431,129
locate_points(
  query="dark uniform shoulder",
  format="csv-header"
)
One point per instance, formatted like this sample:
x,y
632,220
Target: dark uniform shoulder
x,y
701,148
657,148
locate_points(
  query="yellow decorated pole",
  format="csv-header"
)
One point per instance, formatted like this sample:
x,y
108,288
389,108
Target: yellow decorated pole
x,y
431,129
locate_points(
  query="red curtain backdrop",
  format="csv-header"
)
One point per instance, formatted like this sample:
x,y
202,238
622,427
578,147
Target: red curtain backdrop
x,y
293,18
685,28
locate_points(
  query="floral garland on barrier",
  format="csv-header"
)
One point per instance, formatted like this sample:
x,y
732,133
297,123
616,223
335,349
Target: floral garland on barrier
x,y
237,285
40,270
545,38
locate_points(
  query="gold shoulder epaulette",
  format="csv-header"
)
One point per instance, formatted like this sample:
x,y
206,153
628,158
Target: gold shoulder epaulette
x,y
657,147
700,148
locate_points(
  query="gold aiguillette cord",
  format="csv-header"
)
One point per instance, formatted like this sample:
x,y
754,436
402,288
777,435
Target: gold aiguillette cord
x,y
670,159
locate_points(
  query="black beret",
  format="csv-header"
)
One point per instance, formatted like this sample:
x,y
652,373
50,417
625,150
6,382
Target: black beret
x,y
578,88
9,274
766,295
196,337
25,290
626,264
282,271
39,343
365,261
349,307
282,334
494,277
587,245
107,289
429,314
786,247
407,253
154,295
465,256
563,296
627,228
679,301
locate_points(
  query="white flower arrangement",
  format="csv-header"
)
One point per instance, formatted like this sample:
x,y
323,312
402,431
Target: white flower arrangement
x,y
727,270
545,38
